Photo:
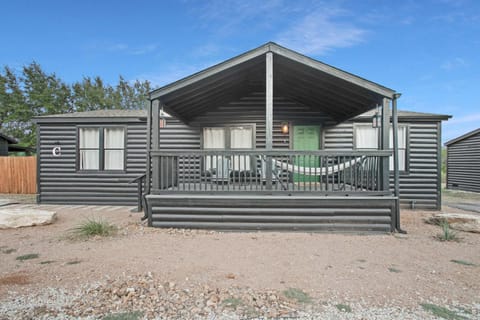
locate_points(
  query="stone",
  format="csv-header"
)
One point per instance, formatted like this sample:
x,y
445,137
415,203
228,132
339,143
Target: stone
x,y
25,217
457,221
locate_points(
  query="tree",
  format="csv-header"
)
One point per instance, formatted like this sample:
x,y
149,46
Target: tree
x,y
33,92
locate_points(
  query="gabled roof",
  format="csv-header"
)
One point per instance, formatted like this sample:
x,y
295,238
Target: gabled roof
x,y
340,94
10,140
462,137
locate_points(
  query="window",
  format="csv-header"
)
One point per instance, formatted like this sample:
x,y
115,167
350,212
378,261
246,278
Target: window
x,y
101,148
366,137
231,137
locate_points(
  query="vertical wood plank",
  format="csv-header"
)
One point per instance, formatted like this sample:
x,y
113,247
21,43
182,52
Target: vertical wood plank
x,y
18,175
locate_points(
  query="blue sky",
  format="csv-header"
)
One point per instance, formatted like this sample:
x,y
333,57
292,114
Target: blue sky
x,y
427,50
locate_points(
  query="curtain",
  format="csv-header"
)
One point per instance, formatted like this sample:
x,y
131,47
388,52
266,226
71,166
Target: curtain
x,y
241,138
213,138
402,148
366,137
114,144
89,148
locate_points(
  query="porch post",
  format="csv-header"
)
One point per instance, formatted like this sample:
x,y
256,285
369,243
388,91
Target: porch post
x,y
269,117
148,171
396,174
155,143
385,141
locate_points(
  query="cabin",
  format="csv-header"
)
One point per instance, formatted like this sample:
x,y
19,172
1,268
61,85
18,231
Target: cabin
x,y
463,162
267,140
5,142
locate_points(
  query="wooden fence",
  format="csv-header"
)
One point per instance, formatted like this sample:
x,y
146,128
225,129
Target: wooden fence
x,y
18,175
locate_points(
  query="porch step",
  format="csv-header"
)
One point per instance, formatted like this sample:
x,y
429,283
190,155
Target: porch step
x,y
271,212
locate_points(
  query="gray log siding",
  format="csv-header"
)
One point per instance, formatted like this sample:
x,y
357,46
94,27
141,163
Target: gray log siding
x,y
60,182
420,184
463,164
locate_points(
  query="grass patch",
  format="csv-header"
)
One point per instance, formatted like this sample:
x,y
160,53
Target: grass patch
x,y
298,295
91,228
463,262
232,302
343,307
132,315
441,312
447,233
394,270
27,256
47,261
8,251
73,262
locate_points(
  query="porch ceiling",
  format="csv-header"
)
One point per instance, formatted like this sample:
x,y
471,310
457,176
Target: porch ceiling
x,y
337,93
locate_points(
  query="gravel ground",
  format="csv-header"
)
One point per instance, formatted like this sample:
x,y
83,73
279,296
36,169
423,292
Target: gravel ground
x,y
146,297
185,274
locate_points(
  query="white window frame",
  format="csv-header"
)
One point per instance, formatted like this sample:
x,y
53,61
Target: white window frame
x,y
101,148
405,127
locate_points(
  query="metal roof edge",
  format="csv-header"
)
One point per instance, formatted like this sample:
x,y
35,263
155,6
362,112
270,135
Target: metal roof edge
x,y
462,137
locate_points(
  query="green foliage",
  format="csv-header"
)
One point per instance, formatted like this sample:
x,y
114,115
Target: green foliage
x,y
463,262
343,307
27,256
91,227
442,312
32,92
447,233
232,302
134,315
298,295
444,164
394,270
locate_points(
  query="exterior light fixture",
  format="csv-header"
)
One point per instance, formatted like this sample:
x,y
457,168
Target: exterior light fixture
x,y
285,127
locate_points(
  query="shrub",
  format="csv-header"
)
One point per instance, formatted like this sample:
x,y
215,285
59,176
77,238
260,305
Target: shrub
x,y
92,227
298,295
27,256
447,233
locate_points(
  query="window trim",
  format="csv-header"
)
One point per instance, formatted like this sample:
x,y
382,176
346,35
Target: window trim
x,y
101,149
227,134
407,144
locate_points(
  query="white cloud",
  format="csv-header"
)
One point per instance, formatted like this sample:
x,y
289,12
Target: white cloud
x,y
320,32
453,64
121,47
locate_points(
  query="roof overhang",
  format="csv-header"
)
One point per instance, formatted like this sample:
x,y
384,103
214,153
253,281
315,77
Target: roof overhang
x,y
304,80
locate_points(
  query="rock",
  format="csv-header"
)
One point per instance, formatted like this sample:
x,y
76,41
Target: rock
x,y
16,217
458,221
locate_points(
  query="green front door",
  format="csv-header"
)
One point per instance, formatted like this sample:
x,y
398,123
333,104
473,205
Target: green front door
x,y
306,138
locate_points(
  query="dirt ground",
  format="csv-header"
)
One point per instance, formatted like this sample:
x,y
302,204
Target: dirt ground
x,y
375,269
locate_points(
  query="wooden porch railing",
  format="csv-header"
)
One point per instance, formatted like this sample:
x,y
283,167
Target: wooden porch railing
x,y
215,171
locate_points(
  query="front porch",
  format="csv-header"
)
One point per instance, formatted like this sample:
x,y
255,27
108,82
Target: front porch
x,y
258,183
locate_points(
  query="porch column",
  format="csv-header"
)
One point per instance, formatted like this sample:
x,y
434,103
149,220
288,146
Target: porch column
x,y
155,143
148,171
385,141
396,175
269,117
